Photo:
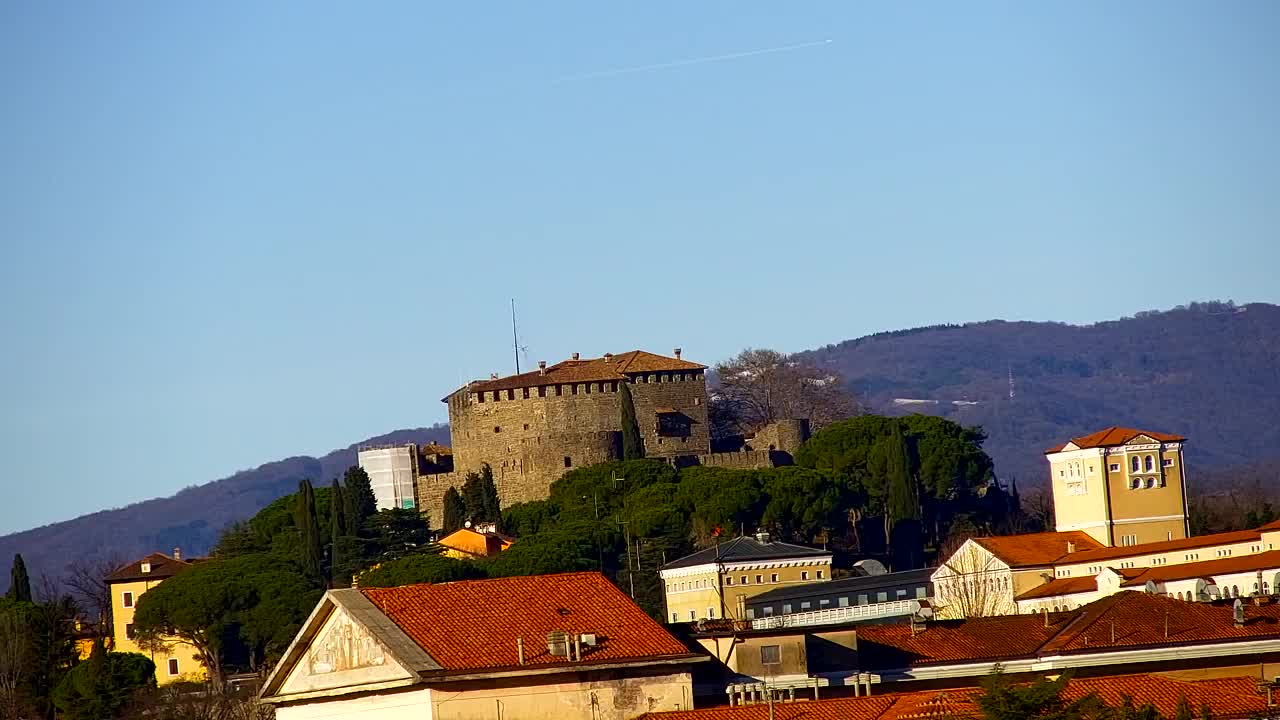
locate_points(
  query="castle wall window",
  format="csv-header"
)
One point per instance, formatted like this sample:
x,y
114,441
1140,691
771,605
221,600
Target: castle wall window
x,y
511,394
588,387
480,397
525,392
559,390
568,461
497,429
542,391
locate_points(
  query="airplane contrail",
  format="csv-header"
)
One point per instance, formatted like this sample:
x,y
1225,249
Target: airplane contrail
x,y
692,61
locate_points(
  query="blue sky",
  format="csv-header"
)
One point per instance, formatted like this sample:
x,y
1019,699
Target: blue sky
x,y
238,231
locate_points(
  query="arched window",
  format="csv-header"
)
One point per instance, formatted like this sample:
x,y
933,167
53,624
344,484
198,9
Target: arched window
x,y
1137,483
1150,464
1151,482
1235,591
1134,465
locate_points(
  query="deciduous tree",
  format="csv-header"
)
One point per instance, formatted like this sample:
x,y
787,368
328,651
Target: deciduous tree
x,y
760,386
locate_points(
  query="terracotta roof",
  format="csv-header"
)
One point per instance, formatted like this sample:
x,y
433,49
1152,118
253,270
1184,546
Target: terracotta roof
x,y
1137,619
1061,586
1199,541
746,549
1232,697
616,367
1036,549
1271,526
1112,437
434,449
1221,566
162,566
474,624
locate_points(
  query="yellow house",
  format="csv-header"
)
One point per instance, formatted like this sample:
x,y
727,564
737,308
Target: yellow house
x,y
177,661
716,582
471,543
1120,485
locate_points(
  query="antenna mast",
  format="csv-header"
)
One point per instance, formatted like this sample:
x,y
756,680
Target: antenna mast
x,y
515,341
1010,381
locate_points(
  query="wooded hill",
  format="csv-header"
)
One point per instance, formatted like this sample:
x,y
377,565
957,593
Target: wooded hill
x,y
1209,371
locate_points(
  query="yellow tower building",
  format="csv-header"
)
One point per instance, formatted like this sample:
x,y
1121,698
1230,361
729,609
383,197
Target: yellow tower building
x,y
175,661
1121,486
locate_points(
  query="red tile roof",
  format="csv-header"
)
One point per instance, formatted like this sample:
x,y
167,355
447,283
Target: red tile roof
x,y
1061,586
615,367
1271,526
1037,549
1227,697
162,566
1191,543
1112,437
1242,563
474,624
1137,619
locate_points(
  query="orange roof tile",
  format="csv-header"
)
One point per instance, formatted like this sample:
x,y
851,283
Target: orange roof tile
x,y
474,624
1226,697
162,566
615,367
1112,437
1243,563
1036,549
894,645
1271,526
1061,586
1199,541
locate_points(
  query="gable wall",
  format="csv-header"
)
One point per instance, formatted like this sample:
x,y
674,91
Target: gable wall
x,y
342,655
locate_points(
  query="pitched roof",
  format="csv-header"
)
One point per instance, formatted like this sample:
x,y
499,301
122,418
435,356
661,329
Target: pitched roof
x,y
1226,697
162,566
1061,586
1137,620
1036,549
475,624
1269,560
1111,553
612,367
1271,526
1113,437
747,549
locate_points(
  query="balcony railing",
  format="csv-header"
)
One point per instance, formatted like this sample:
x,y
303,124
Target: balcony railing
x,y
834,615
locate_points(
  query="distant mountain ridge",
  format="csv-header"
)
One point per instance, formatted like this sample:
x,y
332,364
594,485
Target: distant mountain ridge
x,y
1210,371
193,518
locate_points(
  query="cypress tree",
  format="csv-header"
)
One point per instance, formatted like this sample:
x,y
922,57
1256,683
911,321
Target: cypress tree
x,y
337,530
632,442
359,498
490,506
19,581
902,503
455,510
310,554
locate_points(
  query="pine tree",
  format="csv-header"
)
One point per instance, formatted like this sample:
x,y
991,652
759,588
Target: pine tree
x,y
455,510
310,554
19,581
632,442
360,501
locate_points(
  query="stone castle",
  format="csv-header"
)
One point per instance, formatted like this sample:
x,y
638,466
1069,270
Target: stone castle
x,y
533,427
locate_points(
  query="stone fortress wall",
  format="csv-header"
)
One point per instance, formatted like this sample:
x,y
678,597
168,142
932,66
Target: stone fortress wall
x,y
531,435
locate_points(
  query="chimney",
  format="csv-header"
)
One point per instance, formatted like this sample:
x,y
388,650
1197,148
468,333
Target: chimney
x,y
177,553
762,537
677,351
1237,613
608,357
542,367
493,376
575,356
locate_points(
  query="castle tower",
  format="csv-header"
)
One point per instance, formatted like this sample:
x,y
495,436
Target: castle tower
x,y
1121,486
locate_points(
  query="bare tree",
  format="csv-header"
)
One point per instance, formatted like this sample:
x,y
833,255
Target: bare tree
x,y
971,582
760,386
15,656
86,578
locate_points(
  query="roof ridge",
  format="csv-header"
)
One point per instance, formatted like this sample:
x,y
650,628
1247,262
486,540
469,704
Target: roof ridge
x,y
1081,614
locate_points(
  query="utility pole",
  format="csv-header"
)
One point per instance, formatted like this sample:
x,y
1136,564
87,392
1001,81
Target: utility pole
x,y
515,339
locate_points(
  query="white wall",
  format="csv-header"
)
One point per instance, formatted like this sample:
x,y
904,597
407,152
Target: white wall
x,y
404,705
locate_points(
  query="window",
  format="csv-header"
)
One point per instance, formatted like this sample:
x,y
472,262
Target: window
x,y
542,391
693,615
145,567
173,666
1136,484
823,603
786,608
862,598
843,602
1151,482
526,426
744,579
1167,462
1114,467
497,429
759,579
128,631
728,580
773,577
804,574
1150,464
768,610
675,617
1062,473
568,461
1134,464
900,594
770,654
711,612
882,597
921,593
126,599
805,605
819,576
1092,469
525,393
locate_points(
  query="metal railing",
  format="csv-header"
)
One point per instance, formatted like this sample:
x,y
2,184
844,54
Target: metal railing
x,y
833,615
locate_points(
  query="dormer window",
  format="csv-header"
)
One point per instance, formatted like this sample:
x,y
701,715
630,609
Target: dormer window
x,y
146,567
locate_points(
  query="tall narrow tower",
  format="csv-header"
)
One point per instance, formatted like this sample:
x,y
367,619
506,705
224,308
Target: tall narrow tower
x,y
1120,485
